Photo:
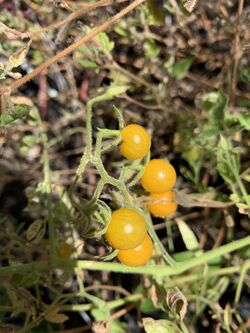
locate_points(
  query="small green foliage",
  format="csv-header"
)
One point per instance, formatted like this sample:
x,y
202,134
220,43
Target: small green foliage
x,y
179,69
228,163
105,41
151,49
36,231
245,75
89,64
17,112
216,104
243,119
188,235
100,314
160,326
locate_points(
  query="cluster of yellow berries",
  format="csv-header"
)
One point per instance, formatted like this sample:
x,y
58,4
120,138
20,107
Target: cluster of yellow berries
x,y
127,230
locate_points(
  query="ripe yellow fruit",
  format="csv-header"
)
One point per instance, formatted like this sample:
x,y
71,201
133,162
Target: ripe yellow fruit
x,y
137,256
159,176
164,204
136,142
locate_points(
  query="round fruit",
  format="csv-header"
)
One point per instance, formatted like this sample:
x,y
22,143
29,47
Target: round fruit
x,y
64,251
159,176
138,256
136,142
165,204
126,230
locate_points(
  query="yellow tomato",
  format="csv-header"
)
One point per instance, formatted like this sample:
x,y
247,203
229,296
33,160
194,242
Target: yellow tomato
x,y
159,176
136,142
137,256
126,230
164,204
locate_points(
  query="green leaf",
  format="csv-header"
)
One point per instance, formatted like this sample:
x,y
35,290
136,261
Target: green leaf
x,y
244,120
228,161
147,306
29,140
216,103
180,68
89,64
121,31
18,112
106,43
159,326
36,231
99,314
118,327
150,48
188,236
245,75
114,91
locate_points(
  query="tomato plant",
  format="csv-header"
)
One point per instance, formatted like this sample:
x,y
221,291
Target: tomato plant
x,y
126,230
137,256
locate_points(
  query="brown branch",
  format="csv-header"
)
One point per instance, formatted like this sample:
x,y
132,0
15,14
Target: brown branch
x,y
15,85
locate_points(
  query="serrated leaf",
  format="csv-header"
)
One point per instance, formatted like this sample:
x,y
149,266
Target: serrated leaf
x,y
180,68
18,57
159,326
187,235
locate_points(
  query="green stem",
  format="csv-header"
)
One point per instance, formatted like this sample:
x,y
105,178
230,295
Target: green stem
x,y
166,256
47,185
234,169
154,270
194,277
109,305
244,269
